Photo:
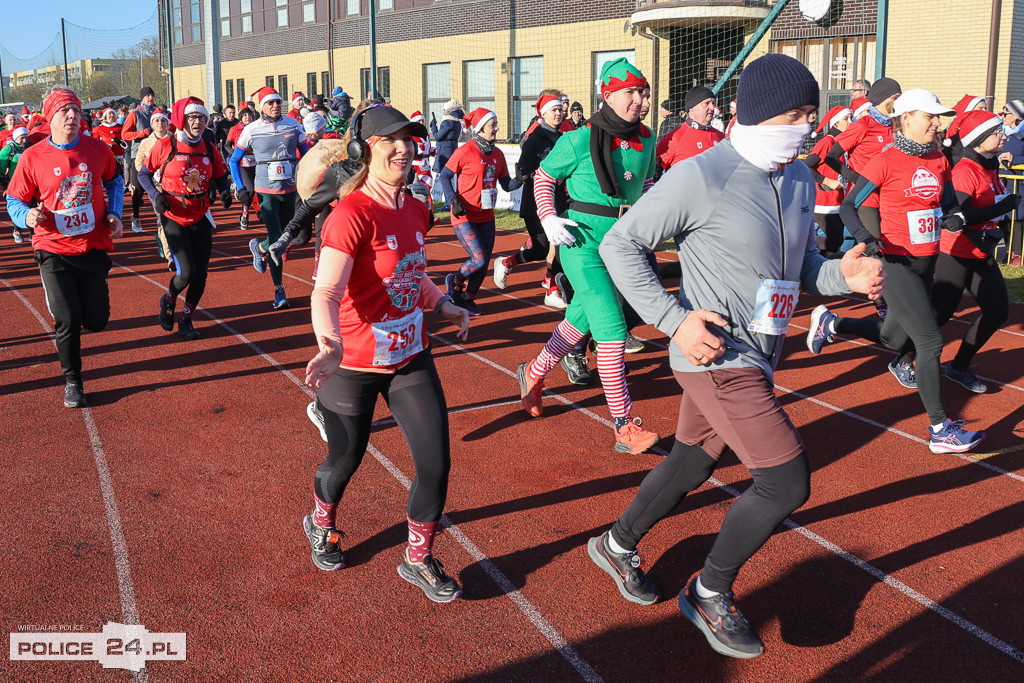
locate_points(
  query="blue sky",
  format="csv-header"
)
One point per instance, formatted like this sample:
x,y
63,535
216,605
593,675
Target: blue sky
x,y
29,25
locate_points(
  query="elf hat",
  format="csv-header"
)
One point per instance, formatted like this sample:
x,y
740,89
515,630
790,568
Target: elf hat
x,y
478,117
264,95
619,74
975,126
546,102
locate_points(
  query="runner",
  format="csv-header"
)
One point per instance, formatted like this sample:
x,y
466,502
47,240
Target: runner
x,y
9,157
188,166
159,123
480,165
695,134
727,336
423,181
135,129
74,178
606,165
830,190
298,104
109,131
276,142
952,146
367,310
248,163
917,200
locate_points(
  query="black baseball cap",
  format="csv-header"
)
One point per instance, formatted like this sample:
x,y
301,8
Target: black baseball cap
x,y
380,119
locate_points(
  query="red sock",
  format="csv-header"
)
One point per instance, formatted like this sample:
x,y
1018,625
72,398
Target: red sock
x,y
421,539
324,513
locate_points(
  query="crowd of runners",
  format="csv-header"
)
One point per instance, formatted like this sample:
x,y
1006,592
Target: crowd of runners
x,y
919,195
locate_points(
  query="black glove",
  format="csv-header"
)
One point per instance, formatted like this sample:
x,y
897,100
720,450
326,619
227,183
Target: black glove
x,y
872,247
160,205
278,248
954,222
244,196
225,199
1009,202
433,120
458,209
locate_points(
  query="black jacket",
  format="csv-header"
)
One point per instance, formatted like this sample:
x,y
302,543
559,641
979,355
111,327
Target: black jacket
x,y
446,137
534,148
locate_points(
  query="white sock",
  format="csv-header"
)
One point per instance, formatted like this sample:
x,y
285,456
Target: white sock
x,y
936,428
615,547
703,592
831,326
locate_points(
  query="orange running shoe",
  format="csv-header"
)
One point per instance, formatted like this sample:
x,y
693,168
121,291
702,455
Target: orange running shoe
x,y
530,393
632,438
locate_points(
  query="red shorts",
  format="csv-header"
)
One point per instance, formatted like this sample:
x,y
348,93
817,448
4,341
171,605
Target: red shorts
x,y
736,409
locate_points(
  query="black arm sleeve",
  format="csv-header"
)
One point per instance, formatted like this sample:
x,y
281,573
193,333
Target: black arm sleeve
x,y
813,161
326,192
977,216
834,161
848,211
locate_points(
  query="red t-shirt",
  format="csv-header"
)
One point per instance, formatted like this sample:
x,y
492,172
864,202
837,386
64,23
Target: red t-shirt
x,y
190,172
910,197
863,140
381,313
110,135
69,184
685,142
478,179
826,201
982,185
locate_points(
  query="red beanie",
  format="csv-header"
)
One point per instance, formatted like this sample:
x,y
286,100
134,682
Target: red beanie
x,y
478,117
57,100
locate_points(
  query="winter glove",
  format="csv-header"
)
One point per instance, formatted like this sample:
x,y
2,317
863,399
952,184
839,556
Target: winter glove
x,y
954,222
458,209
278,248
433,120
225,199
244,196
160,205
555,229
872,247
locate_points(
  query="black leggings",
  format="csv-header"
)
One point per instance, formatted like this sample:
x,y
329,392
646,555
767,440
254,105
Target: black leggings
x,y
832,225
191,247
77,296
416,400
539,247
776,492
137,193
908,288
984,281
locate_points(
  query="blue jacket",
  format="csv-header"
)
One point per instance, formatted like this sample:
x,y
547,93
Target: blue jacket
x,y
1015,146
447,138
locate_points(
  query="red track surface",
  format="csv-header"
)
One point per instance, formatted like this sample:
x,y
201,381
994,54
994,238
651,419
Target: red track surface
x,y
902,565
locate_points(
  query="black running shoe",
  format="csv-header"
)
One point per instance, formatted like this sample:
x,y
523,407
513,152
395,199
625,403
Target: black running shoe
x,y
564,288
74,396
186,330
575,366
429,575
718,618
470,306
633,345
167,312
327,553
630,579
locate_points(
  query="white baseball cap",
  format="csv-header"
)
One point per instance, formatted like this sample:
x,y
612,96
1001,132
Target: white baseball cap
x,y
920,99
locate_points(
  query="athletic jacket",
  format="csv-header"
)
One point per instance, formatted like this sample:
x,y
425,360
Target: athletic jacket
x,y
700,205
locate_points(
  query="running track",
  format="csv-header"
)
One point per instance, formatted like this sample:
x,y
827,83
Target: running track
x,y
175,502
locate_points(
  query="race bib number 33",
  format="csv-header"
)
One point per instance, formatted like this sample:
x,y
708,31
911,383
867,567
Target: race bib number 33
x,y
774,306
397,340
924,226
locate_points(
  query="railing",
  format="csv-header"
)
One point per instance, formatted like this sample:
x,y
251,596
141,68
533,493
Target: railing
x,y
744,3
1012,179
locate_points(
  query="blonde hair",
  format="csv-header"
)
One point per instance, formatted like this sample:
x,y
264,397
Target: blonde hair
x,y
356,181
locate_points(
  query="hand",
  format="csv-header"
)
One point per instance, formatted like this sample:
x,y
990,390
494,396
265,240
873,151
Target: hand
x,y
458,209
700,345
433,119
1006,158
225,199
277,249
35,216
244,196
116,229
555,229
325,363
459,316
872,247
954,222
862,274
160,205
831,183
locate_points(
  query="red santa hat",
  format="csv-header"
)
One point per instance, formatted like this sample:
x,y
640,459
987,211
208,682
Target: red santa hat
x,y
859,105
24,113
104,112
159,114
417,116
296,96
966,105
833,116
184,107
478,117
264,95
975,126
546,102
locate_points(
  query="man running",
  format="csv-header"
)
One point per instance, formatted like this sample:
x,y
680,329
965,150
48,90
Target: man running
x,y
738,289
74,178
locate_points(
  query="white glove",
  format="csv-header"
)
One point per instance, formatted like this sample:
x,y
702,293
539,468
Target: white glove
x,y
554,228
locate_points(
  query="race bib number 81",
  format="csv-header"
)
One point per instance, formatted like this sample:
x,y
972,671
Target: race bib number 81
x,y
774,306
279,170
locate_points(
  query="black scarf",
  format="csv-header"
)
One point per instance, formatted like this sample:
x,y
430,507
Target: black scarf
x,y
547,126
486,146
990,163
693,124
908,146
271,119
605,125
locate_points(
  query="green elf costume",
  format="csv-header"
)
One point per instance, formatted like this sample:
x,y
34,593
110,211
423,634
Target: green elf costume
x,y
606,165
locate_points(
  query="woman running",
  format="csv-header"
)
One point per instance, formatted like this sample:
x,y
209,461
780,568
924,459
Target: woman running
x,y
367,309
481,167
916,201
830,190
245,117
109,131
952,145
186,165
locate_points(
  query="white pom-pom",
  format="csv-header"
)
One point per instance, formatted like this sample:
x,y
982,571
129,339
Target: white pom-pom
x,y
947,143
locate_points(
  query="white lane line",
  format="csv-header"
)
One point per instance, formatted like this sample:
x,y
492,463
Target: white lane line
x,y
125,586
504,583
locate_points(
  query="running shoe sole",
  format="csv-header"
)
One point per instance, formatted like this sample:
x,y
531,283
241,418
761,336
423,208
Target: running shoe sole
x,y
500,272
602,562
414,578
691,613
314,416
307,525
166,321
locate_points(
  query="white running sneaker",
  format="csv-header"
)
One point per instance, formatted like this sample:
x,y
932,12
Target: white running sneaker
x,y
500,276
317,418
553,298
136,224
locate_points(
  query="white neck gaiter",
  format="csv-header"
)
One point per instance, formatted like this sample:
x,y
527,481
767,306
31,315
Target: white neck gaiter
x,y
769,148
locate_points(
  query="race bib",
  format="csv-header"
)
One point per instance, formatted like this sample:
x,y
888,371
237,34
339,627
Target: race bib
x,y
397,340
77,221
279,170
488,198
774,306
924,226
248,161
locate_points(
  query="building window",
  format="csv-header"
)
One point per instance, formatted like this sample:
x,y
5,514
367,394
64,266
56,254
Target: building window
x,y
599,60
352,7
385,4
282,13
197,35
246,15
241,89
282,87
225,27
225,9
311,84
383,83
437,88
229,92
308,12
325,82
177,36
269,81
527,82
478,84
194,13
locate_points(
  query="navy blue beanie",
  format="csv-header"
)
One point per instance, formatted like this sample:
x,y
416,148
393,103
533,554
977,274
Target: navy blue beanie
x,y
772,85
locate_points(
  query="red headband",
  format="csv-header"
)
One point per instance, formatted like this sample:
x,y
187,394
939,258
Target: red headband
x,y
57,100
